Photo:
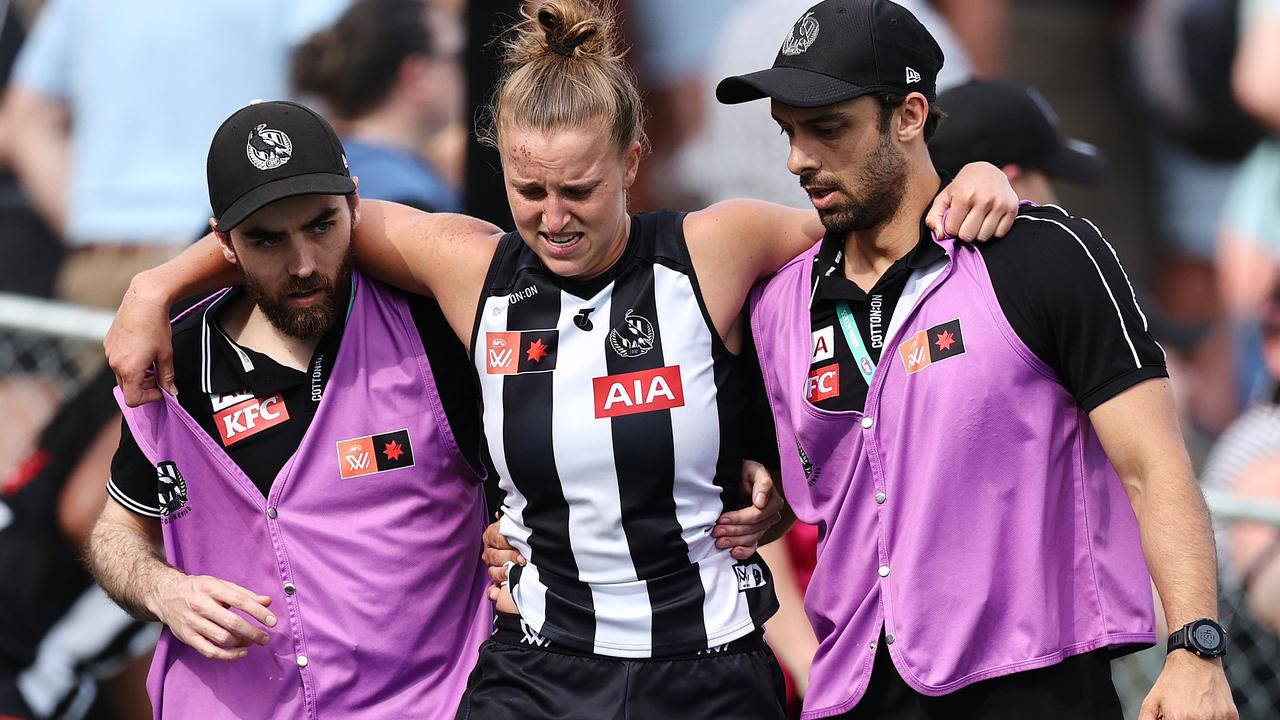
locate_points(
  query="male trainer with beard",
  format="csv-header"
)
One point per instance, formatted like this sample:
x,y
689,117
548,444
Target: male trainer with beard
x,y
314,481
983,433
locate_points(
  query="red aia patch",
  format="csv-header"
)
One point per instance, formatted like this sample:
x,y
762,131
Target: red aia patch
x,y
247,418
638,392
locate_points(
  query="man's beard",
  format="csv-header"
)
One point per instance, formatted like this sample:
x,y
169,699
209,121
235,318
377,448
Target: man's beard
x,y
882,183
308,322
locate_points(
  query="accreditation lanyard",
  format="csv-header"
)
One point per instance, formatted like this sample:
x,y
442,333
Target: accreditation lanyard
x,y
861,357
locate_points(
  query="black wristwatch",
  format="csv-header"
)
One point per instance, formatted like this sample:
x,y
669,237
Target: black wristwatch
x,y
1203,637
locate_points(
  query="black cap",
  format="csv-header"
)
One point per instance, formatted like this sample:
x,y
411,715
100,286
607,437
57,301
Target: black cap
x,y
269,151
843,49
1007,123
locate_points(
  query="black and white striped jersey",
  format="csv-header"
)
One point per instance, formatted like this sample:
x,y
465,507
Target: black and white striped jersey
x,y
613,413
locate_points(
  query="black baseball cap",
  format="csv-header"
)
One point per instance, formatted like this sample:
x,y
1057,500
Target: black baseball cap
x,y
270,151
843,49
1007,123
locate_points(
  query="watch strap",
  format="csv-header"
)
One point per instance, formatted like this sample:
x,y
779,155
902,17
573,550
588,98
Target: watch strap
x,y
1178,640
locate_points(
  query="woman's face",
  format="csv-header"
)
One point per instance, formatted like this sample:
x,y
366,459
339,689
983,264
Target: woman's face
x,y
568,194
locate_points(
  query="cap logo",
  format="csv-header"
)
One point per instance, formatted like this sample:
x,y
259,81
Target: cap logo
x,y
268,149
912,76
802,35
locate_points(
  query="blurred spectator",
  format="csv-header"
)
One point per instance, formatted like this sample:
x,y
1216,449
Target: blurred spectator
x,y
1011,126
485,196
1250,241
1246,462
110,108
669,53
30,253
738,152
387,73
60,636
1197,135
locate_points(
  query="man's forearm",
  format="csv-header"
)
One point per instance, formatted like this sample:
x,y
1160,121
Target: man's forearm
x,y
129,567
1177,542
199,269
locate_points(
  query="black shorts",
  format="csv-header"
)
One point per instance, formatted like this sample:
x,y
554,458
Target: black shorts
x,y
1078,688
522,676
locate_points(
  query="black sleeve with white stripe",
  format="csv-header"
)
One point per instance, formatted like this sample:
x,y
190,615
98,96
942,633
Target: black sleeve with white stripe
x,y
1064,292
133,477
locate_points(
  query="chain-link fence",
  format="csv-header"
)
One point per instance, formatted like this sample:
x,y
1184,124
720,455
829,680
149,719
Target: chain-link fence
x,y
48,349
1253,658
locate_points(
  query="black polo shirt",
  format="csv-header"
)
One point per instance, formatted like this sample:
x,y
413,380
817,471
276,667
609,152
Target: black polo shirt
x,y
258,410
1059,284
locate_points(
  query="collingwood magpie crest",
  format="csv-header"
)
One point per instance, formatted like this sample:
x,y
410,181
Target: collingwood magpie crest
x,y
172,489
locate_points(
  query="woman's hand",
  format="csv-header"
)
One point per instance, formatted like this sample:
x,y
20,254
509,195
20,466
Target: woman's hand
x,y
979,204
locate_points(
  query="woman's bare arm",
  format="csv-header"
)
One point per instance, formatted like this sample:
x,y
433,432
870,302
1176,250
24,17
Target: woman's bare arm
x,y
426,253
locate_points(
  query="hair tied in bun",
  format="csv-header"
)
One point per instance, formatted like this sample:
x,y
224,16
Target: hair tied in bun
x,y
566,48
561,46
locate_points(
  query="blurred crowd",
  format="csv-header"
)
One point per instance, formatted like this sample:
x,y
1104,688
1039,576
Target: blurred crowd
x,y
1157,119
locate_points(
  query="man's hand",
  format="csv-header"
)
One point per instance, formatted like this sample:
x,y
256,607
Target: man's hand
x,y
978,205
139,336
1189,688
742,529
196,610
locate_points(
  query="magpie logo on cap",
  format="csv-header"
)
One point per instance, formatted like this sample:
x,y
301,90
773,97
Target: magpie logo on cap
x,y
866,47
802,35
267,135
268,149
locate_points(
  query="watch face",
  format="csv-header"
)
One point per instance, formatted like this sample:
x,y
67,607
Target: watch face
x,y
1207,637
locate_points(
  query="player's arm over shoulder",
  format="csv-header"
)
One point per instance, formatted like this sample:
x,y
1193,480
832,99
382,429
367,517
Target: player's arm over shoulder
x,y
441,255
752,237
1061,286
734,243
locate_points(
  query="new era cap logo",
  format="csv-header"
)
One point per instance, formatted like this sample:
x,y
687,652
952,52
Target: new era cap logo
x,y
802,36
268,149
912,76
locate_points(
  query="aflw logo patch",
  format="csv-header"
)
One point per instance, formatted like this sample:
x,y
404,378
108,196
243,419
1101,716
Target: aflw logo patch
x,y
638,392
512,353
243,416
930,346
374,454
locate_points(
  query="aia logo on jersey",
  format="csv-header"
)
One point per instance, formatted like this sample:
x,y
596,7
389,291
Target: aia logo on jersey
x,y
823,383
930,346
512,353
374,454
171,490
638,392
240,416
824,344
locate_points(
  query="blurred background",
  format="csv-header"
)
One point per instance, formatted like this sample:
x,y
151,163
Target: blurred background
x,y
108,108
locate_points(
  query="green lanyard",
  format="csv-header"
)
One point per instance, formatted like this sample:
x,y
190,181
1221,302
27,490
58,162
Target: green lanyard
x,y
861,357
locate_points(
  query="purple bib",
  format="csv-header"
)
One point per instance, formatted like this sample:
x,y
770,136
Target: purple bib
x,y
369,544
969,510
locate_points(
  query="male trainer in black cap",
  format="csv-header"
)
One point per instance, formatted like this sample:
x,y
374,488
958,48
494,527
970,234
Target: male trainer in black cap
x,y
967,420
325,429
1012,126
